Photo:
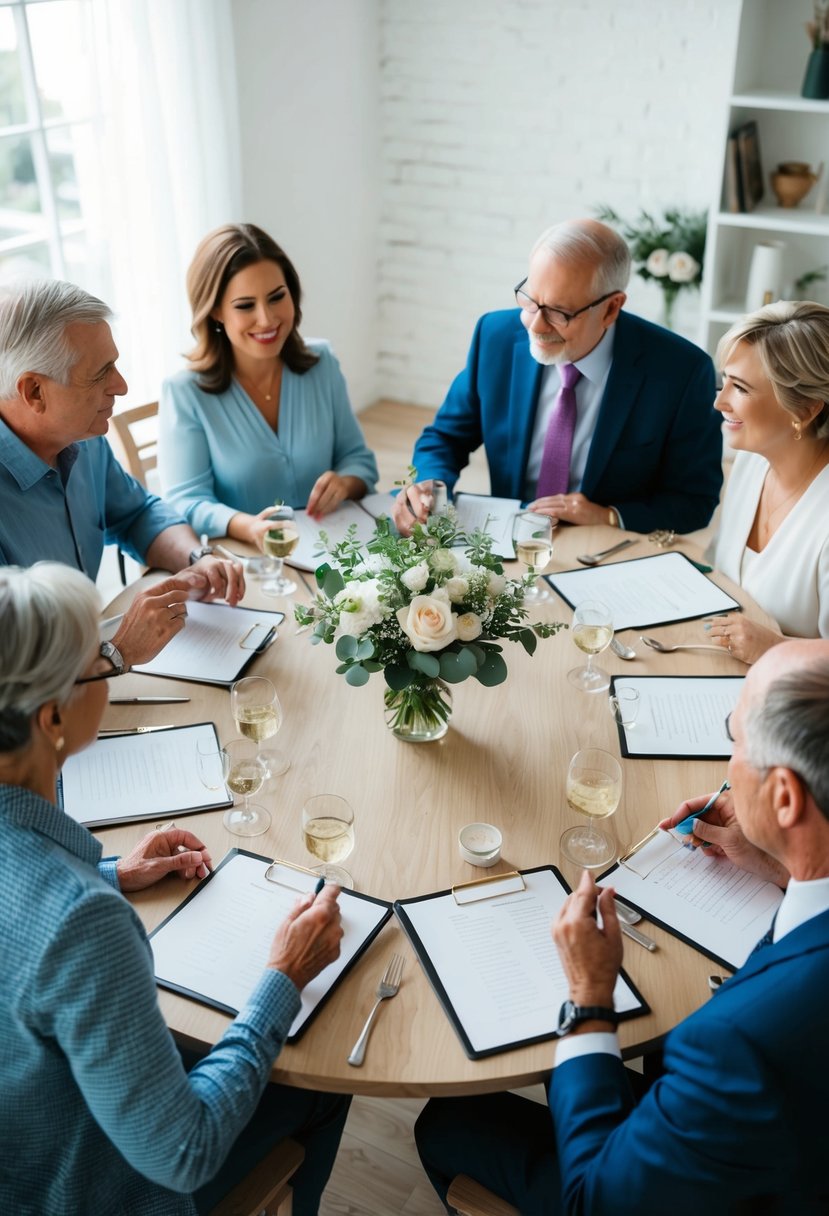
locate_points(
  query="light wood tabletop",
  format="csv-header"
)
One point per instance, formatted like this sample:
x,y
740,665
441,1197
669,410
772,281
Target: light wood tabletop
x,y
503,761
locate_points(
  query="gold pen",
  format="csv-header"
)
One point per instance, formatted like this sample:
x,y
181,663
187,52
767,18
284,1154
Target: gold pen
x,y
136,730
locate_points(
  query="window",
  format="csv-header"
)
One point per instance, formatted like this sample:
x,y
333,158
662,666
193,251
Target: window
x,y
49,139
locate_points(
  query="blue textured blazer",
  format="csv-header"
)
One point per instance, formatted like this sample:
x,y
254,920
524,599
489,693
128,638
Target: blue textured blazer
x,y
656,452
738,1122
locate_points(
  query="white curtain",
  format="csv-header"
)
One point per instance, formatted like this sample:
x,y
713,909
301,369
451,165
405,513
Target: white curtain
x,y
170,166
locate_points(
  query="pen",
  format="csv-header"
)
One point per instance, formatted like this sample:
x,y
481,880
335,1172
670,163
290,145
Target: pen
x,y
223,552
319,886
636,936
135,730
148,700
686,827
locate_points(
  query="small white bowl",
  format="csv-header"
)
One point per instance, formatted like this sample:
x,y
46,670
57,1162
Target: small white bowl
x,y
480,844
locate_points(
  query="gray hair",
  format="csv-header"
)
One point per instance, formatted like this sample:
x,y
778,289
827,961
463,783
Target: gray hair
x,y
792,340
590,241
788,725
34,314
50,627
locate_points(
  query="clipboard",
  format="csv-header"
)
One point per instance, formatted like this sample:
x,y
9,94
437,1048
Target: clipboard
x,y
87,778
181,965
448,985
633,889
584,583
629,736
247,633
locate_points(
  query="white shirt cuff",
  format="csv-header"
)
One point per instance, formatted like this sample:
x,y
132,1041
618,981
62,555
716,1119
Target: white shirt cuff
x,y
600,1042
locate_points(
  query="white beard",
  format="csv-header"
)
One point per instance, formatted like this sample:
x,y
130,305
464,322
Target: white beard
x,y
546,355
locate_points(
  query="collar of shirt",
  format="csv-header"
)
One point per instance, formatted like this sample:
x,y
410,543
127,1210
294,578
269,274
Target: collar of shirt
x,y
596,364
25,466
802,901
24,808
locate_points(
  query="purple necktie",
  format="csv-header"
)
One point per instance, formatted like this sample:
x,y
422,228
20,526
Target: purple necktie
x,y
554,477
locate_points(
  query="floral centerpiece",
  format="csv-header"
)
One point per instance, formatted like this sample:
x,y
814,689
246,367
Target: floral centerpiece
x,y
669,251
428,611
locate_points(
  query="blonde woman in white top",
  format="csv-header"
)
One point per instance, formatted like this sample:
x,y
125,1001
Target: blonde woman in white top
x,y
774,532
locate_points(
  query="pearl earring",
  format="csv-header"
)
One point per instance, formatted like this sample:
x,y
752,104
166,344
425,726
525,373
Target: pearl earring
x,y
59,743
218,327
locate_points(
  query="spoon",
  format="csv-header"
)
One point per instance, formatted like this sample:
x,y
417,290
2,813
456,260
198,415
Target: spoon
x,y
593,559
663,649
620,649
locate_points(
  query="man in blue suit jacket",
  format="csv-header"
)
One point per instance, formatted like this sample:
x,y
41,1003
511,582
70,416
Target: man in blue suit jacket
x,y
647,447
736,1123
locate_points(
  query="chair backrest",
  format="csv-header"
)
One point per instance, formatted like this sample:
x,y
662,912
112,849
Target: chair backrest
x,y
265,1190
469,1198
135,435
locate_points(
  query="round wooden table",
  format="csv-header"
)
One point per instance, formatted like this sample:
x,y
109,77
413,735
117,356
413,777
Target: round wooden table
x,y
503,761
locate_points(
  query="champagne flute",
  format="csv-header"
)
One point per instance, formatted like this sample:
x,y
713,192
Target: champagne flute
x,y
594,787
213,764
328,833
258,715
532,535
246,776
592,631
279,542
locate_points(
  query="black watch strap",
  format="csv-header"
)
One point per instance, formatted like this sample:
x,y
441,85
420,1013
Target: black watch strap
x,y
572,1015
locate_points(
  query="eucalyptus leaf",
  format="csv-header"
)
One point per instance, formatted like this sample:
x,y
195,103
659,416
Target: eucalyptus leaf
x,y
494,671
467,663
365,648
429,664
399,678
357,676
451,669
346,647
528,640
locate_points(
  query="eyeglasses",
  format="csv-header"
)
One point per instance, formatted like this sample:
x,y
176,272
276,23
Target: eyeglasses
x,y
728,733
554,316
103,675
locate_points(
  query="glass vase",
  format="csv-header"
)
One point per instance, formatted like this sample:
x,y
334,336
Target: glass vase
x,y
419,713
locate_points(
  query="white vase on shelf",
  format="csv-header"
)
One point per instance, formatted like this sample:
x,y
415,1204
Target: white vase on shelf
x,y
765,276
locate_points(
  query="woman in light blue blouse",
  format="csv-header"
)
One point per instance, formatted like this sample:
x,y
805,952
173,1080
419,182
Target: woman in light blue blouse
x,y
261,415
97,1113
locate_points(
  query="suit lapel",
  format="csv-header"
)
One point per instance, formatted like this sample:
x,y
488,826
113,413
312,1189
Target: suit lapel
x,y
627,371
525,385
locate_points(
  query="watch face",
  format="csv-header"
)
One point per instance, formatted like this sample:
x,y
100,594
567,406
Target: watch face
x,y
566,1017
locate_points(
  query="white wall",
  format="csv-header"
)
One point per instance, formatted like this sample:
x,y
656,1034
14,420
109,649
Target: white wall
x,y
499,117
308,87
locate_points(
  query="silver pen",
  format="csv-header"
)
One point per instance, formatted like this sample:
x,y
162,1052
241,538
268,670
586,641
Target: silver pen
x,y
136,730
636,936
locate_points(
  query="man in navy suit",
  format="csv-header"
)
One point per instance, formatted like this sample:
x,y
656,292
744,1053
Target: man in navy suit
x,y
737,1121
647,449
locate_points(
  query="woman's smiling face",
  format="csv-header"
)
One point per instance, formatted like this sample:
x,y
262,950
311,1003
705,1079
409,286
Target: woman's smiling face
x,y
754,419
257,312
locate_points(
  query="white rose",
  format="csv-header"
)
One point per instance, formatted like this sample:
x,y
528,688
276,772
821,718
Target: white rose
x,y
657,263
416,577
682,268
428,622
360,607
495,585
469,626
443,561
456,588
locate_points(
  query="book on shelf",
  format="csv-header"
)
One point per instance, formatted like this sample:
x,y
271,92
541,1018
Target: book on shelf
x,y
733,200
751,169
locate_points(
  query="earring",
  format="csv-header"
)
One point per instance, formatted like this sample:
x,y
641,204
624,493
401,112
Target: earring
x,y
218,327
798,433
59,743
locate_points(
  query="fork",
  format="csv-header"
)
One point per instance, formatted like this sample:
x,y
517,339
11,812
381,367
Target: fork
x,y
387,987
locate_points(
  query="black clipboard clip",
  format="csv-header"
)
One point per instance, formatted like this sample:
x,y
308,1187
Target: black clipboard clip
x,y
257,645
480,889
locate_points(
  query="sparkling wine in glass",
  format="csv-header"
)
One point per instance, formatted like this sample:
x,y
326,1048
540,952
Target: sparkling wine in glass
x,y
279,542
257,712
328,834
246,776
592,632
594,787
532,535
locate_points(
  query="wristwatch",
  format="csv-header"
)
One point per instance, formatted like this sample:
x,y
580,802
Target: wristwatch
x,y
570,1016
613,517
202,551
111,652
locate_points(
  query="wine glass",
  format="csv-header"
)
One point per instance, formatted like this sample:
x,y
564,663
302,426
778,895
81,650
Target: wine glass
x,y
257,712
246,776
592,631
279,542
532,535
594,787
213,763
328,833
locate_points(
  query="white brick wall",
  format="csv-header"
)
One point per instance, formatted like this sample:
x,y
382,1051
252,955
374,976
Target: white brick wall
x,y
499,117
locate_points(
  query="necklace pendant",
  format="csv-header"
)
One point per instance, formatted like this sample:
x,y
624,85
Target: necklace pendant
x,y
267,396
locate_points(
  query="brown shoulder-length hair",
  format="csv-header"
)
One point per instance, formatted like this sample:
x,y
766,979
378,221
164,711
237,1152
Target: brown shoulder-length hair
x,y
220,255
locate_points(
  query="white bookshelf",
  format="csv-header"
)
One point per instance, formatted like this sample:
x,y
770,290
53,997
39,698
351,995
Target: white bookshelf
x,y
769,65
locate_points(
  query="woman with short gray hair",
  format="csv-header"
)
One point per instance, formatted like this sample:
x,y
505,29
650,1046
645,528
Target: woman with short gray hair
x,y
97,1113
774,533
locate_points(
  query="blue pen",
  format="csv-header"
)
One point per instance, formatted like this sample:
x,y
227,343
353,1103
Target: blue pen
x,y
686,827
319,886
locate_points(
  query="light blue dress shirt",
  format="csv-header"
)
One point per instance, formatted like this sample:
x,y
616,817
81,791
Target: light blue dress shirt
x,y
97,1115
217,455
67,514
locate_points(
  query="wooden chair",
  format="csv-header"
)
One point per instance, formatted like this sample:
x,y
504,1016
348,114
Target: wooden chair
x,y
469,1198
265,1191
136,445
